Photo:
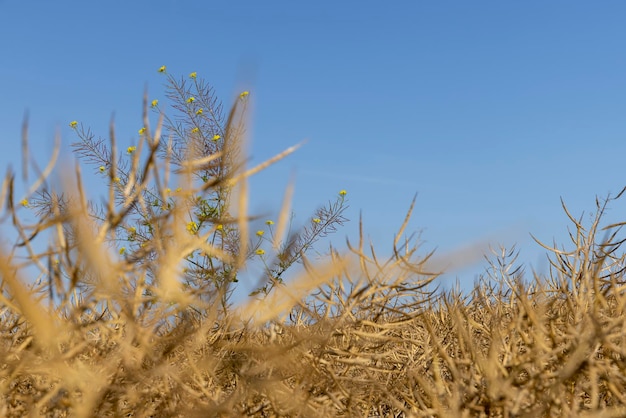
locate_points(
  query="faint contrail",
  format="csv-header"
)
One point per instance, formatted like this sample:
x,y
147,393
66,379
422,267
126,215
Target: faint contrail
x,y
351,177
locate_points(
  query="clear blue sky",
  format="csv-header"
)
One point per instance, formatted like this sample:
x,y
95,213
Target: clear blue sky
x,y
489,110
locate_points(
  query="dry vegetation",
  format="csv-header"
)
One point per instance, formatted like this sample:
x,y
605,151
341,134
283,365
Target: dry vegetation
x,y
125,308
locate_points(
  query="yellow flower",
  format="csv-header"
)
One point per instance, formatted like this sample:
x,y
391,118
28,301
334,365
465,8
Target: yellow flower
x,y
194,130
244,94
192,227
193,75
102,169
269,222
220,227
132,230
260,233
191,99
122,250
216,137
142,131
178,189
162,69
342,193
130,150
154,103
24,202
199,111
116,179
317,220
73,124
260,251
168,191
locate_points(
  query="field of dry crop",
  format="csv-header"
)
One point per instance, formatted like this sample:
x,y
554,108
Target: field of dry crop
x,y
124,308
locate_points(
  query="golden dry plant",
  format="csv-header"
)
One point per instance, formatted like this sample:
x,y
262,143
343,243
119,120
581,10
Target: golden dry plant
x,y
126,308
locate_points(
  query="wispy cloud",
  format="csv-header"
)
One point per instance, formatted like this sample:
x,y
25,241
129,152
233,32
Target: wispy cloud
x,y
387,181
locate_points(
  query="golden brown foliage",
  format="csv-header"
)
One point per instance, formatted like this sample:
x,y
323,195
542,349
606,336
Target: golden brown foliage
x,y
86,331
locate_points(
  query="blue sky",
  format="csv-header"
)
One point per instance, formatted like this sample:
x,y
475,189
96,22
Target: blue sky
x,y
490,111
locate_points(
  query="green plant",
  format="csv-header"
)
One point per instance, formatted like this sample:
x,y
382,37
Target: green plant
x,y
186,179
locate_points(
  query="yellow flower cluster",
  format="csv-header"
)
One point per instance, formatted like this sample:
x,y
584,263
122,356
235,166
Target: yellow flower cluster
x,y
192,227
162,69
154,103
142,131
193,75
130,150
73,124
216,137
